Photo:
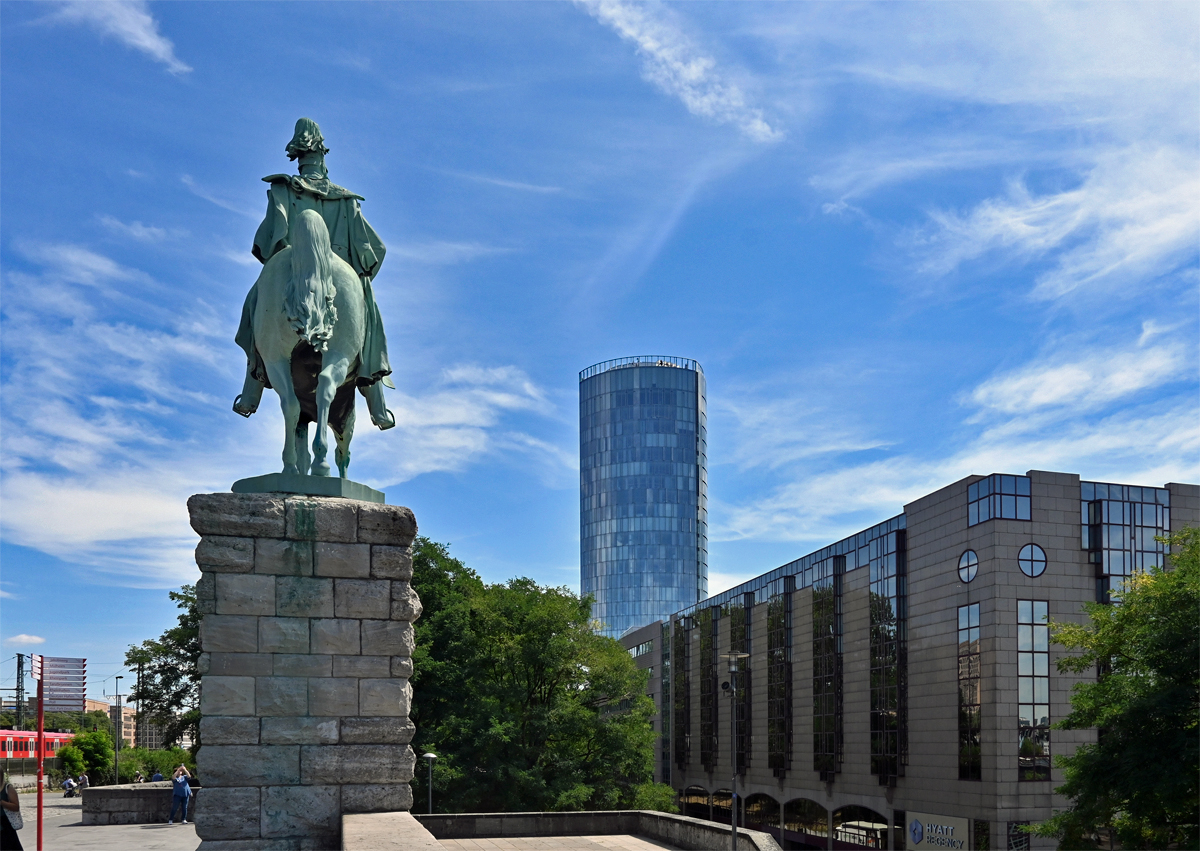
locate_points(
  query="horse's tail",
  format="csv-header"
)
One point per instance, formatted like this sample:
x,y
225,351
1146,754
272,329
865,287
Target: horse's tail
x,y
310,292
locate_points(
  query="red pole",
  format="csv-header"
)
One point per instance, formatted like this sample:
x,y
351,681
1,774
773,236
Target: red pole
x,y
41,746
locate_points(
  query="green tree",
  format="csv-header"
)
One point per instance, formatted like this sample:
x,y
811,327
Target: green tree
x,y
1140,778
169,692
96,748
72,760
526,707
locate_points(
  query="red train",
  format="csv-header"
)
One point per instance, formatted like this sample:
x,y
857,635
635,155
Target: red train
x,y
22,744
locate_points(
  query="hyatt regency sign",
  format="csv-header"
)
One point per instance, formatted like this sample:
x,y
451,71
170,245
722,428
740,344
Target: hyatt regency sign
x,y
929,831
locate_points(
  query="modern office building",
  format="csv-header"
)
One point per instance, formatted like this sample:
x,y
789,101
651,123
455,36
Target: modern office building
x,y
902,678
642,489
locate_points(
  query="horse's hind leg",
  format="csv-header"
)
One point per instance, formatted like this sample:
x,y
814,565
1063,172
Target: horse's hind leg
x,y
280,374
342,453
334,369
303,460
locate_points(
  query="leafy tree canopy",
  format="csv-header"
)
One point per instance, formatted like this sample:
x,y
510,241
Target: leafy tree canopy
x,y
526,707
96,749
169,692
1140,778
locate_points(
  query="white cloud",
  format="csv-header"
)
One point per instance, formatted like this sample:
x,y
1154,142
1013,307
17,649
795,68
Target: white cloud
x,y
24,640
1135,215
130,22
137,230
443,253
201,192
679,67
1081,383
507,184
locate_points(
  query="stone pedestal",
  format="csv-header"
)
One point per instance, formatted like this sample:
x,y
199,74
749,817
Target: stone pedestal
x,y
307,644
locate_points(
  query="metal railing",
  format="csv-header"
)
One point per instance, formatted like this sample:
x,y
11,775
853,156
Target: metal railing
x,y
641,360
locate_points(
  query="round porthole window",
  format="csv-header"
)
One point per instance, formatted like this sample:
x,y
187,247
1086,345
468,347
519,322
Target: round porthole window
x,y
968,566
1032,560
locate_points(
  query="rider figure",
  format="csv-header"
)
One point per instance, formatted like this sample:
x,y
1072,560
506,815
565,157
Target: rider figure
x,y
350,237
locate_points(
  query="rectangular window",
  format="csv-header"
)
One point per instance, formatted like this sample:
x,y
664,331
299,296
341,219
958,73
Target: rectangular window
x,y
681,690
889,657
741,641
970,765
1120,527
642,649
982,835
1018,840
827,666
779,675
998,496
1033,690
710,620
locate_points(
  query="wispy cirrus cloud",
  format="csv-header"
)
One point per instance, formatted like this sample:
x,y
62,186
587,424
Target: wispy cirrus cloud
x,y
674,63
137,230
128,21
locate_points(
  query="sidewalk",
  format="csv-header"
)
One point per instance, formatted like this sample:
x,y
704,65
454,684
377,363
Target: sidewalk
x,y
63,829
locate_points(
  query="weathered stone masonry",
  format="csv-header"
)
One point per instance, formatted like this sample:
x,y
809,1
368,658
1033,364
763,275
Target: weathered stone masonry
x,y
307,646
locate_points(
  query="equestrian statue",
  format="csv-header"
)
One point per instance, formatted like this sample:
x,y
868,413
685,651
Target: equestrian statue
x,y
310,327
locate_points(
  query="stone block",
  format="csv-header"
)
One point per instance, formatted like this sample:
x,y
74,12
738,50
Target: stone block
x,y
229,730
283,635
255,845
206,594
250,515
284,558
379,731
362,666
303,597
333,696
225,554
389,798
249,765
361,598
227,695
306,730
281,696
391,562
402,666
387,638
301,812
229,813
322,519
406,605
384,697
245,594
356,764
352,561
229,633
335,637
386,524
302,665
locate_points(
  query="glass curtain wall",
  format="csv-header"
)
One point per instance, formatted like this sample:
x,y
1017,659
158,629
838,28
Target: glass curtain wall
x,y
681,691
779,674
741,616
1120,524
665,706
710,622
889,658
827,667
643,489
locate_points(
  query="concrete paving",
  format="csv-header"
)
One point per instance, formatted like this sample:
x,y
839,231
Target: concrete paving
x,y
556,843
63,830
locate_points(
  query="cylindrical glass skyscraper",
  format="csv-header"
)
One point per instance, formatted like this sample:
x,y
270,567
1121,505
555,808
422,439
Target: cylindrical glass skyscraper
x,y
643,489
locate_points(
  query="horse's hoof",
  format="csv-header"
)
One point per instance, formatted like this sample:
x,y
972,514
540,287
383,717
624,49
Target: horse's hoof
x,y
243,409
320,469
385,424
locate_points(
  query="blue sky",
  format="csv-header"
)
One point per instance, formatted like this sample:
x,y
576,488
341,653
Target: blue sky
x,y
907,242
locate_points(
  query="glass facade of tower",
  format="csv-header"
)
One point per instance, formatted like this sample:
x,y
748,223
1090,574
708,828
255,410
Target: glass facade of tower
x,y
642,489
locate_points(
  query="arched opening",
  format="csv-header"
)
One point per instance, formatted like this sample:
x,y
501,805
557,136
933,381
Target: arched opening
x,y
721,801
805,824
762,813
694,802
859,827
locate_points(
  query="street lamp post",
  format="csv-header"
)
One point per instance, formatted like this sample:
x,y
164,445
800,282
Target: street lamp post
x,y
117,752
731,687
430,757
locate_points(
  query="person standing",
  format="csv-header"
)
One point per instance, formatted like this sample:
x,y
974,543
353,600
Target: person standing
x,y
181,791
157,776
9,841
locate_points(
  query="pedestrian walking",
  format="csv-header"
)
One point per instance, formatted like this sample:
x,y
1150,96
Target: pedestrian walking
x,y
11,819
181,792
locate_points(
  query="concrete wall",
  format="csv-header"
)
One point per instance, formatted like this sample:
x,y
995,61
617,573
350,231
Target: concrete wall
x,y
136,803
676,831
307,642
